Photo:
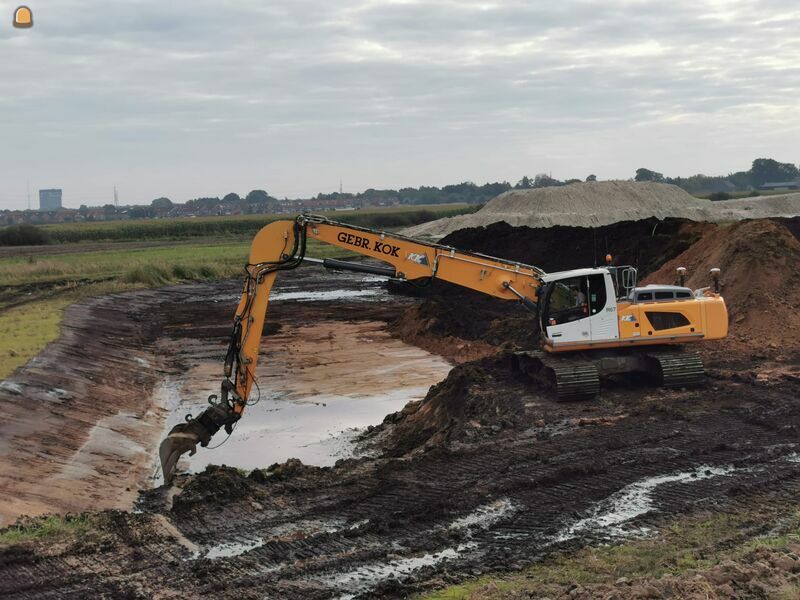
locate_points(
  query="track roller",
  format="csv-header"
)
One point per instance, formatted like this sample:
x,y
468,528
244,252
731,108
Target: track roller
x,y
569,379
680,369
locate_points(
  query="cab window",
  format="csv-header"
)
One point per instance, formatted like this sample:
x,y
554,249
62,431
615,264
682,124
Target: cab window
x,y
568,301
665,295
597,293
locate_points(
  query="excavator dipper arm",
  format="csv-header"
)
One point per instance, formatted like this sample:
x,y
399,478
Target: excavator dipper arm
x,y
281,246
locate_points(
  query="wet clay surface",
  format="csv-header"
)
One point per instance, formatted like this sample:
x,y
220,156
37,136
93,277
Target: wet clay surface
x,y
494,491
82,420
485,475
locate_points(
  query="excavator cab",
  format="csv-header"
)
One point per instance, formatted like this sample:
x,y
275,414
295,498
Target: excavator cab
x,y
578,307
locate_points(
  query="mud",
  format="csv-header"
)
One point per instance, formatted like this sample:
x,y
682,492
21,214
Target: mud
x,y
533,479
760,263
485,474
85,416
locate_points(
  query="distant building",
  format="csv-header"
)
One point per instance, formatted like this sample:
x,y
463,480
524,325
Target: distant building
x,y
49,199
781,185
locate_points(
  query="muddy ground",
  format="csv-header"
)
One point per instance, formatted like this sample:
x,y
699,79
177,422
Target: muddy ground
x,y
485,475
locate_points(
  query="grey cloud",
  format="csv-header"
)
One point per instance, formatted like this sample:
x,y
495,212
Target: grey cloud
x,y
188,98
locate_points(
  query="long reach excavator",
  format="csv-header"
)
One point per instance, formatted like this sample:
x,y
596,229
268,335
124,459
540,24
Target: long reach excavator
x,y
594,322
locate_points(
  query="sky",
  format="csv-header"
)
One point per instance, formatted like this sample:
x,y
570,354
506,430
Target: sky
x,y
199,98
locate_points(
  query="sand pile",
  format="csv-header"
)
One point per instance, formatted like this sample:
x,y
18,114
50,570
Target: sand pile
x,y
762,207
760,262
601,203
579,204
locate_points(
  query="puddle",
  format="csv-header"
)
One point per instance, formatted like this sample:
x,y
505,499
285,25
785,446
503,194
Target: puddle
x,y
485,516
365,577
231,549
329,295
633,501
320,386
318,433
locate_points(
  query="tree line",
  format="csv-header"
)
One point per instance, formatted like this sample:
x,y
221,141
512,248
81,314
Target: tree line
x,y
762,171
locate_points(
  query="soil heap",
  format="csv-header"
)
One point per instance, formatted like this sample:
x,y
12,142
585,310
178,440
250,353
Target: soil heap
x,y
481,324
588,204
760,262
593,204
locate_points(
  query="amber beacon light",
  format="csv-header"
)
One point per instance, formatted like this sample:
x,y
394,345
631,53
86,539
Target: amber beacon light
x,y
23,17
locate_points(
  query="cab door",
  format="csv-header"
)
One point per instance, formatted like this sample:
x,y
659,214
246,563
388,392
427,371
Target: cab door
x,y
565,317
602,305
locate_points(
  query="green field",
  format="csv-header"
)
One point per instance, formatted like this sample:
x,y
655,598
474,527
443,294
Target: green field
x,y
38,283
244,225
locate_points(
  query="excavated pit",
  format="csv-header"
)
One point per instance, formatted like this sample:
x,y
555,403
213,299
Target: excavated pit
x,y
484,474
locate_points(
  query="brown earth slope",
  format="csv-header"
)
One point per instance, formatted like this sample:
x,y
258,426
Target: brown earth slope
x,y
760,263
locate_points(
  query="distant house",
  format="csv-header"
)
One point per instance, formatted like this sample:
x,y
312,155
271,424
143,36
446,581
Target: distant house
x,y
780,185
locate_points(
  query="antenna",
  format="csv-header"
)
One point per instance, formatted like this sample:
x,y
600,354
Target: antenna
x,y
116,198
340,186
29,194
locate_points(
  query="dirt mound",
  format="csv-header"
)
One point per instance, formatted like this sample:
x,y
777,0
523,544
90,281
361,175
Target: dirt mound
x,y
466,406
579,204
760,262
792,225
465,325
593,204
645,244
762,207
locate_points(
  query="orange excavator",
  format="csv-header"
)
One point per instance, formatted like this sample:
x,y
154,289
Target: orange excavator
x,y
594,322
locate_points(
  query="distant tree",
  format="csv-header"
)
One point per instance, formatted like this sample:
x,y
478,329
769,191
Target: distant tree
x,y
569,181
204,203
232,198
524,183
141,212
23,235
719,196
110,210
83,210
740,179
544,180
648,175
161,204
591,177
257,197
767,169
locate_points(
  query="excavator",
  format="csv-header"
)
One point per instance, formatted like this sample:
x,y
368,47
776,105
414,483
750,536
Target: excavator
x,y
594,322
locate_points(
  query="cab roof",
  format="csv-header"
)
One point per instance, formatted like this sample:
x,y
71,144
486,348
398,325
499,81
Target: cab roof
x,y
574,273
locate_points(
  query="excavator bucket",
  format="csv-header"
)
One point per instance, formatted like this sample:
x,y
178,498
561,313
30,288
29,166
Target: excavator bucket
x,y
179,441
184,437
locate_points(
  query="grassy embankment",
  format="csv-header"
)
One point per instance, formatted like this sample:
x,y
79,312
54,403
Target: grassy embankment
x,y
684,549
36,287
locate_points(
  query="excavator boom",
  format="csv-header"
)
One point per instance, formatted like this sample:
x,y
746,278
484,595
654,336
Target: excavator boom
x,y
281,246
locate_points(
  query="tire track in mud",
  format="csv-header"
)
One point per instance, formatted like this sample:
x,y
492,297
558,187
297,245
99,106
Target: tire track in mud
x,y
390,526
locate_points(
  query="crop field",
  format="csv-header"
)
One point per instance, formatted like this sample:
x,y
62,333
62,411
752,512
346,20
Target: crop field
x,y
241,225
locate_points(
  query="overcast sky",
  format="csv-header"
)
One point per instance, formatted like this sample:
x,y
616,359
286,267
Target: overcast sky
x,y
186,98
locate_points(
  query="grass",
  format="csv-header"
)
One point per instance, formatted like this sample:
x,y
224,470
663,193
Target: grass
x,y
46,528
240,225
694,543
49,282
26,330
